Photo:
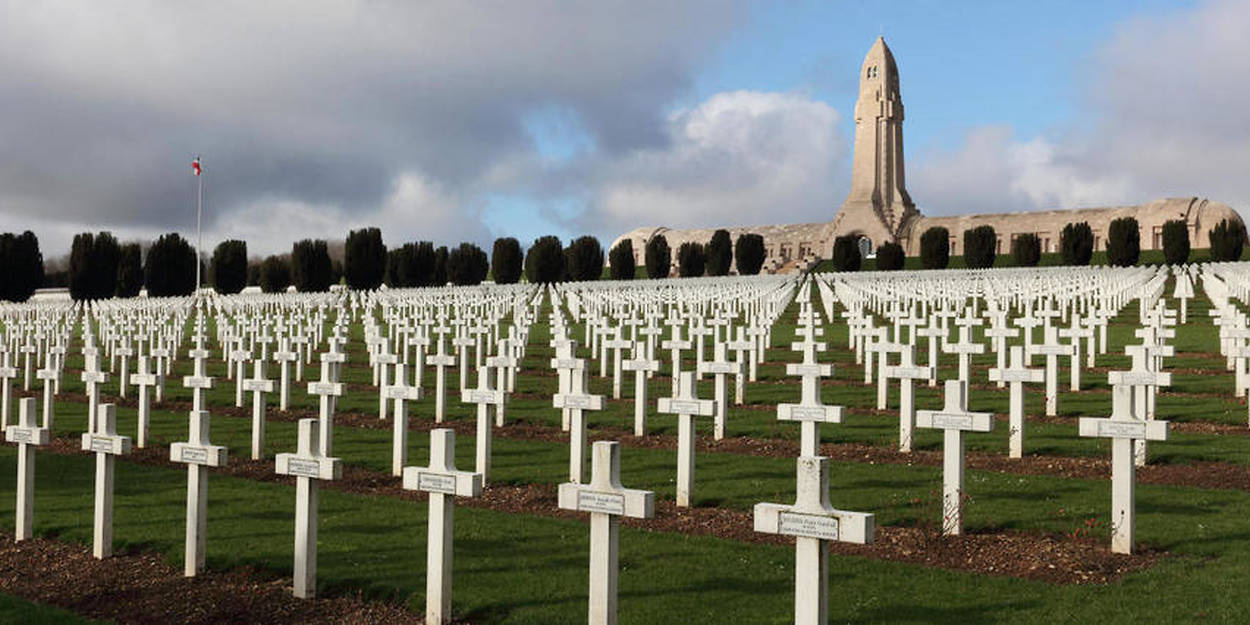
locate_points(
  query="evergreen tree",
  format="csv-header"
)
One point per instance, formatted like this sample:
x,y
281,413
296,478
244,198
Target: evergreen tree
x,y
1176,242
980,247
544,262
1076,243
585,259
130,270
440,266
1026,250
228,268
467,265
720,254
935,248
659,257
890,257
846,255
621,260
749,254
170,267
364,259
1227,240
275,274
311,268
691,260
1123,242
506,261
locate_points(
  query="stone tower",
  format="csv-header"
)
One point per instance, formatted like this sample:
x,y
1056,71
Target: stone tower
x,y
878,206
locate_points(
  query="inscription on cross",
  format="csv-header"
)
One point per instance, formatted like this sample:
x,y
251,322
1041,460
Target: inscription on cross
x,y
954,419
686,404
606,500
814,522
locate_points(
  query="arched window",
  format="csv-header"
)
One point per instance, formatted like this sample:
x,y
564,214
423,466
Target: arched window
x,y
865,247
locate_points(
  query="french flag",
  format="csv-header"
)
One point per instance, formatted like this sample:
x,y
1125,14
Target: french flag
x,y
195,165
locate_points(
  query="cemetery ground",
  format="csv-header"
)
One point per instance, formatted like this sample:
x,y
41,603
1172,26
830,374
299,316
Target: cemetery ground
x,y
1035,549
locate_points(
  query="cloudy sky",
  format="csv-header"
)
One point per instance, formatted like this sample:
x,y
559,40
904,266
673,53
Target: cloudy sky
x,y
465,121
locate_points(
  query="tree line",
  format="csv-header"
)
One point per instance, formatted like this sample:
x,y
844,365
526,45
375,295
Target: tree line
x,y
101,267
1076,246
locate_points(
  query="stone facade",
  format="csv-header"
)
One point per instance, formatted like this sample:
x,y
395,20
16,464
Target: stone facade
x,y
879,208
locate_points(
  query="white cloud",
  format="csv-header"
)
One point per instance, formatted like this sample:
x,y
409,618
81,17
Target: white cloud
x,y
1163,116
738,158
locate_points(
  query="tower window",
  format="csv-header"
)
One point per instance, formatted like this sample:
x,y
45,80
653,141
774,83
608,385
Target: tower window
x,y
872,72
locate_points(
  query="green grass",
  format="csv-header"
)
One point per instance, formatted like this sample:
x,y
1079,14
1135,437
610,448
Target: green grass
x,y
16,610
531,569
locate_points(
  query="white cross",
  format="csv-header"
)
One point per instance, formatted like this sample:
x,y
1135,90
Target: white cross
x,y
641,366
1143,381
686,404
720,367
308,465
576,400
326,391
617,345
258,384
144,380
965,348
198,454
443,482
441,361
954,419
1123,428
606,499
7,373
1016,375
400,393
810,411
906,373
49,375
742,349
1052,349
814,522
107,445
501,364
485,396
1076,332
27,434
198,382
93,378
933,333
675,345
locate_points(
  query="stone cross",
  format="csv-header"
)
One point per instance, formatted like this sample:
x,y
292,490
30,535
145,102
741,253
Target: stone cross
x,y
564,363
123,378
284,357
954,419
906,373
400,393
1123,428
443,482
441,361
326,391
198,382
383,362
49,375
308,465
741,348
606,499
7,373
502,365
485,396
144,380
462,345
258,384
617,345
93,378
686,404
933,333
999,333
576,400
965,348
1075,333
810,411
720,367
814,522
1143,381
27,434
1016,376
238,359
1052,349
641,366
198,454
107,445
675,345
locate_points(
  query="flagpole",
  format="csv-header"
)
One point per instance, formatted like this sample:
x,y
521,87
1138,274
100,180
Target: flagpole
x,y
199,236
